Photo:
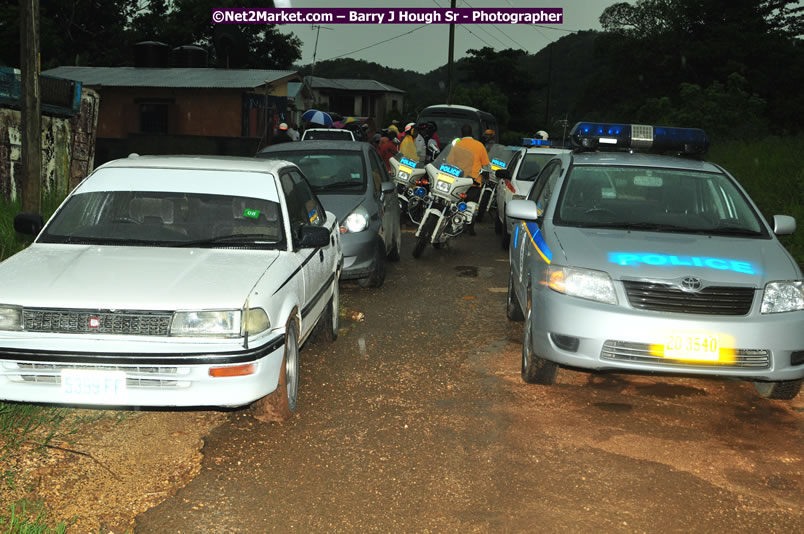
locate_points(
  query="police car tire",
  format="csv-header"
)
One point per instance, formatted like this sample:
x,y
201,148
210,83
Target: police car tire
x,y
280,405
505,238
512,309
786,390
535,369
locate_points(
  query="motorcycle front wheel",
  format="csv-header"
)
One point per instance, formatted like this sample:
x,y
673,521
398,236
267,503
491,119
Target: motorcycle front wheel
x,y
424,236
481,205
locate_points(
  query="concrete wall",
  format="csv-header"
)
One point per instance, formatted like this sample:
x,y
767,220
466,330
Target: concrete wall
x,y
68,148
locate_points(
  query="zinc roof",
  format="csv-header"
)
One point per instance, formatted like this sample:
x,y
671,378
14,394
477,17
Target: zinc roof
x,y
170,77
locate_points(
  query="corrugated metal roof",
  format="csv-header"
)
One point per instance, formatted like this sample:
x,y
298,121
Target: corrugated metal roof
x,y
170,77
351,84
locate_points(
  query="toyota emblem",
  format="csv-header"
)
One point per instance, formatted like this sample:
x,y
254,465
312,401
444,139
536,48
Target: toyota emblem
x,y
691,283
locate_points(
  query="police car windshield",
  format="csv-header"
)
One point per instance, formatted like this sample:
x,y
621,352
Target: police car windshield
x,y
655,199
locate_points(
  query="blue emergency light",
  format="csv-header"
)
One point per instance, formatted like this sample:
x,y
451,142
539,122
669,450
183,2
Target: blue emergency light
x,y
595,135
527,141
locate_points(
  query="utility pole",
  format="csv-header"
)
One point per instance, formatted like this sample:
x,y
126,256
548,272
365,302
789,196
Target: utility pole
x,y
451,53
31,107
549,83
315,48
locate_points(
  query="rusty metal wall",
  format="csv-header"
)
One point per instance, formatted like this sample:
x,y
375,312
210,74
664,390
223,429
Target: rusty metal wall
x,y
68,148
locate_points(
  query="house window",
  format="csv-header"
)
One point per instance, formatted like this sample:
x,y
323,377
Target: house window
x,y
154,117
394,104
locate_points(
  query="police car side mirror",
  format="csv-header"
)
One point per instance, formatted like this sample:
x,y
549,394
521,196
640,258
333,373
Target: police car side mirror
x,y
783,225
524,210
502,174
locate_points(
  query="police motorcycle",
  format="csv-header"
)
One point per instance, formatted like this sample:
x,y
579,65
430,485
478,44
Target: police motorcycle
x,y
446,212
412,185
499,156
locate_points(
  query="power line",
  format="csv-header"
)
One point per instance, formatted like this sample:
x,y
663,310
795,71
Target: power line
x,y
378,43
499,30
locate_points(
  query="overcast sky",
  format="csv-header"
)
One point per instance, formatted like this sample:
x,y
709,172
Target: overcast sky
x,y
427,48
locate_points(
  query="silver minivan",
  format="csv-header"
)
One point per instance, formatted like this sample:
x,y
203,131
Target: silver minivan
x,y
351,180
622,259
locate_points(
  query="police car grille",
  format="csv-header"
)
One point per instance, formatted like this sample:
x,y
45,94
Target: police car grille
x,y
708,301
128,323
137,376
641,353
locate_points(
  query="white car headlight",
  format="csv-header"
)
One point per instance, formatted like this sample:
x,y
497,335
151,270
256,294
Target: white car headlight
x,y
783,296
206,323
10,318
582,283
357,221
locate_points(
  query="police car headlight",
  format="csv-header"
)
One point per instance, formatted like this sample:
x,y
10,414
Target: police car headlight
x,y
783,296
10,318
582,283
357,221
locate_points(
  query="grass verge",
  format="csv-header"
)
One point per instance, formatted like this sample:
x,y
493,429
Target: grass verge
x,y
771,171
25,517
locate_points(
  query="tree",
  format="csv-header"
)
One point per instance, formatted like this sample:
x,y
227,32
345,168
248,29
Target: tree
x,y
101,34
652,47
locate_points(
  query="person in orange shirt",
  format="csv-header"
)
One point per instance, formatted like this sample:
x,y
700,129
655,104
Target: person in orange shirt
x,y
386,148
480,162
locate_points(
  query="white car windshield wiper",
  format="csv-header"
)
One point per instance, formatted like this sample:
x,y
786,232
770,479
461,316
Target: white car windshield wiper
x,y
87,240
647,226
239,239
731,231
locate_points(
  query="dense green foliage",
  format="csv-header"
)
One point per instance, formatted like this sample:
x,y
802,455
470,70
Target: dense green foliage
x,y
102,34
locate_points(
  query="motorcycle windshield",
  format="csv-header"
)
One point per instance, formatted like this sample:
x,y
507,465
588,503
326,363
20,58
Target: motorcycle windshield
x,y
500,156
413,162
455,160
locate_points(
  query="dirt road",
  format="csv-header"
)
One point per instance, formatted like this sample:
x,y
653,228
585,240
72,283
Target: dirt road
x,y
416,420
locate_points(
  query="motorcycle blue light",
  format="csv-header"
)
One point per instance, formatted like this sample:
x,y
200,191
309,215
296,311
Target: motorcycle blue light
x,y
461,206
420,192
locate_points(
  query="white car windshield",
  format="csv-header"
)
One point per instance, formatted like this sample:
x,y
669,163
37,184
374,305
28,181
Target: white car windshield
x,y
655,199
158,218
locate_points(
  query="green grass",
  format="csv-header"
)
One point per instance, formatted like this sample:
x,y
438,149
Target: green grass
x,y
25,517
772,173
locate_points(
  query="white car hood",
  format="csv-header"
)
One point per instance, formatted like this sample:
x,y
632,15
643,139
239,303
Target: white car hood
x,y
131,278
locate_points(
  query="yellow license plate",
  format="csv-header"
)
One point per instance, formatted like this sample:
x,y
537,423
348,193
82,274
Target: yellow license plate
x,y
405,168
446,178
694,346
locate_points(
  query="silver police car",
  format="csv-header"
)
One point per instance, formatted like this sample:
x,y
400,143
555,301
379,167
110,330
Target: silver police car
x,y
624,259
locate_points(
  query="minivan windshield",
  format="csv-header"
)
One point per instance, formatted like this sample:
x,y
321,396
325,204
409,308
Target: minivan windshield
x,y
655,199
328,170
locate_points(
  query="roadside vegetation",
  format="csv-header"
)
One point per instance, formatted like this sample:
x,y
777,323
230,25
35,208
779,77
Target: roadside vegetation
x,y
769,169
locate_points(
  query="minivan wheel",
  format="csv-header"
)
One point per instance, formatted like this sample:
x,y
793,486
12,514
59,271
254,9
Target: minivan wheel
x,y
377,276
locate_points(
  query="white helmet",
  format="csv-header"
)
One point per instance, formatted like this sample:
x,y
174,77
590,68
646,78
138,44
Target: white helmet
x,y
541,134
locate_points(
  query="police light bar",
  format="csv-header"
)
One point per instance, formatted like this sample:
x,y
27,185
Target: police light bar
x,y
527,141
596,135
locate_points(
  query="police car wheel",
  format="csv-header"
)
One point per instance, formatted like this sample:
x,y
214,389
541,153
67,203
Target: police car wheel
x,y
786,390
535,370
512,309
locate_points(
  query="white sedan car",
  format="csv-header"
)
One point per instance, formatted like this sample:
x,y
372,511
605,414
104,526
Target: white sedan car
x,y
515,182
171,281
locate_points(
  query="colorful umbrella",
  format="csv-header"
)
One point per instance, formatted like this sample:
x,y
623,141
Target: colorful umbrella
x,y
318,117
337,124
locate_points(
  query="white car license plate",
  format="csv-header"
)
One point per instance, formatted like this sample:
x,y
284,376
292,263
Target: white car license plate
x,y
695,346
89,385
